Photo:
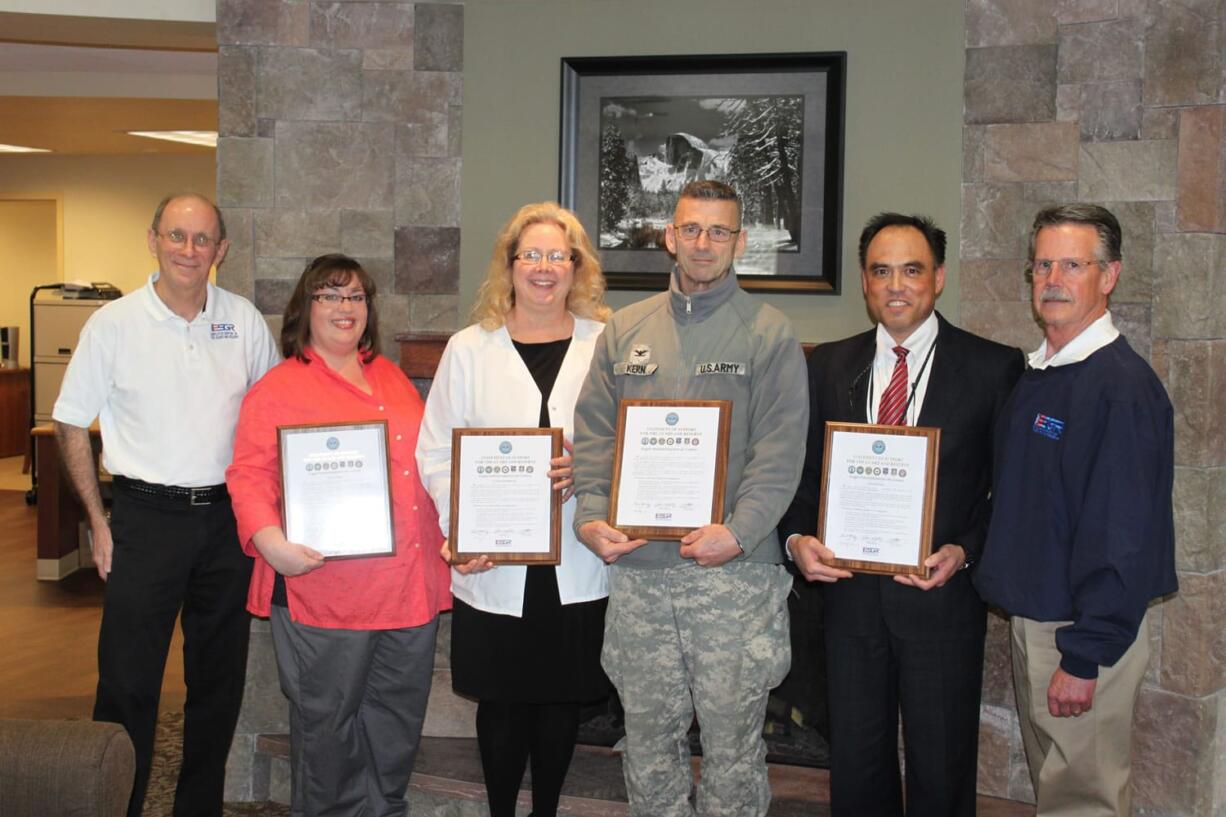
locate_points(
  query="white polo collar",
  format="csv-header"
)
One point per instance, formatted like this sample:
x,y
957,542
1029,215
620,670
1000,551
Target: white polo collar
x,y
1094,337
161,312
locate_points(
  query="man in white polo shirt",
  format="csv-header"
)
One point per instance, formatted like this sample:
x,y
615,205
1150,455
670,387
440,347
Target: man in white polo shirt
x,y
164,370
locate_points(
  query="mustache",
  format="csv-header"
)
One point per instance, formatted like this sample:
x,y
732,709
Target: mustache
x,y
1057,294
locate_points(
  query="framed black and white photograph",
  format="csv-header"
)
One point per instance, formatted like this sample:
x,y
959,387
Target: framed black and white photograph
x,y
635,130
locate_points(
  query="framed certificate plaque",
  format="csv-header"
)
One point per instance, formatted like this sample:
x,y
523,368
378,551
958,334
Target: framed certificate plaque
x,y
336,489
503,505
670,466
879,496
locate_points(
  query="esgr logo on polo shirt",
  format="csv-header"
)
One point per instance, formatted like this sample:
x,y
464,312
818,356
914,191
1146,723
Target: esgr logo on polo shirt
x,y
222,330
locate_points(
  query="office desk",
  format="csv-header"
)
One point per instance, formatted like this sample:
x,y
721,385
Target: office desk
x,y
59,512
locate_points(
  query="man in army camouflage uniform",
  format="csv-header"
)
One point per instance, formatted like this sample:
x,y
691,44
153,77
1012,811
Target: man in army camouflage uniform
x,y
698,627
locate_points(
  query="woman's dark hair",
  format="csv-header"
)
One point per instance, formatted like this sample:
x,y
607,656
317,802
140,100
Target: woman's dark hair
x,y
332,270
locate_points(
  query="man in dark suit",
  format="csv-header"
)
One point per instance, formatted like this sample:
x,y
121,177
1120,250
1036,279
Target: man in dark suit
x,y
905,642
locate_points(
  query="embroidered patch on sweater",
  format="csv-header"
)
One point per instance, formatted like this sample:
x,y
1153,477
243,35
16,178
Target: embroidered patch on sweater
x,y
719,368
639,369
1048,426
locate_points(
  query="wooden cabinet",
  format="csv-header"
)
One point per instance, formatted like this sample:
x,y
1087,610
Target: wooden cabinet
x,y
14,412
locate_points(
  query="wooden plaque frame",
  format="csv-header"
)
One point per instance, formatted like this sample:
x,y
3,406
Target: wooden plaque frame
x,y
719,478
554,555
933,435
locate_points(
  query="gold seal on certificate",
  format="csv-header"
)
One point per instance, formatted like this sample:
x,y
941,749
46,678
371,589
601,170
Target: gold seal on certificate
x,y
503,505
879,496
670,467
336,493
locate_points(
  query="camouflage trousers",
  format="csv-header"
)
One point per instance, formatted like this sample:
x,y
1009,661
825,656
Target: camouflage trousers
x,y
685,640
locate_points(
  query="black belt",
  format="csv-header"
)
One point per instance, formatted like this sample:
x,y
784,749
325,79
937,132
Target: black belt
x,y
205,495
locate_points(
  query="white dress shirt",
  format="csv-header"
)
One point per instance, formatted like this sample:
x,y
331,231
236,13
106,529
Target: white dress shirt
x,y
919,345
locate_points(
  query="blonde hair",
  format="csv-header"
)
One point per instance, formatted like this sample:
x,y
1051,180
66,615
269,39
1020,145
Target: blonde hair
x,y
496,297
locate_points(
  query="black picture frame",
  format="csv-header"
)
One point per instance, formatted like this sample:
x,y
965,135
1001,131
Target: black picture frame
x,y
799,251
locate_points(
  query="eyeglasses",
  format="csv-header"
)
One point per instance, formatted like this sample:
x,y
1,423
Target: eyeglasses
x,y
179,238
1042,267
717,234
332,299
534,257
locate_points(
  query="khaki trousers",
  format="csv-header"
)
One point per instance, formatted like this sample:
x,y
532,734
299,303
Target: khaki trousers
x,y
1080,766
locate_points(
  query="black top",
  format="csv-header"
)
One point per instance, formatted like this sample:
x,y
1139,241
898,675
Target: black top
x,y
544,361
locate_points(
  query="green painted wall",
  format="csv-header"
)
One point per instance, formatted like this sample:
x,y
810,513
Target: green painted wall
x,y
903,125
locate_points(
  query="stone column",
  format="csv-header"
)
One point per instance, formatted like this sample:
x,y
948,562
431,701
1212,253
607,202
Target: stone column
x,y
340,131
1118,102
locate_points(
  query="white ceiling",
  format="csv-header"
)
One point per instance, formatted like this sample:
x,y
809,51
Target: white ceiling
x,y
79,97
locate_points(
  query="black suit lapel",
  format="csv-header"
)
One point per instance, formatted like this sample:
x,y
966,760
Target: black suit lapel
x,y
942,397
854,379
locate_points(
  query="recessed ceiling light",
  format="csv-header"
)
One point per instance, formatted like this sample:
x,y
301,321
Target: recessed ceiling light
x,y
207,138
21,149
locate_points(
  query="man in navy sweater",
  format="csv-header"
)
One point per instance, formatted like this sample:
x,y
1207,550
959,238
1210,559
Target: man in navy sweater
x,y
1082,532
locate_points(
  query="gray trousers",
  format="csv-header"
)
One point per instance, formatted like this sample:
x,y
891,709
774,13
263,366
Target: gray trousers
x,y
357,703
686,640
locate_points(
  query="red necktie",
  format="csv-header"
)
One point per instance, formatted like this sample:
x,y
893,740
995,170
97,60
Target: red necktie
x,y
892,411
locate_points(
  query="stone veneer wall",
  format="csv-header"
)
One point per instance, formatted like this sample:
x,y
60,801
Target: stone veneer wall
x,y
339,132
1118,102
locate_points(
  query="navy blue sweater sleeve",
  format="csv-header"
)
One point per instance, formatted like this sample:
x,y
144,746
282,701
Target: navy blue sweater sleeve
x,y
1117,542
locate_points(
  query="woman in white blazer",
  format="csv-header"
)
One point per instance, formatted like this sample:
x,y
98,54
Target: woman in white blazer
x,y
525,640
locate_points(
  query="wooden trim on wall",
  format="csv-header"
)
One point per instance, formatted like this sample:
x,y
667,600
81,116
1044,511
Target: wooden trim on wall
x,y
420,352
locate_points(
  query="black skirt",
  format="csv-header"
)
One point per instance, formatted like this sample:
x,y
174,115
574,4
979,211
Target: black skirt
x,y
550,655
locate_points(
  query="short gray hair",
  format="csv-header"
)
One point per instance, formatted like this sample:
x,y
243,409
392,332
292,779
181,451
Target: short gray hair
x,y
1110,237
712,190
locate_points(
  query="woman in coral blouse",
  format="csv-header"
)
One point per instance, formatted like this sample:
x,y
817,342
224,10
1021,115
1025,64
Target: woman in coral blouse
x,y
354,638
525,641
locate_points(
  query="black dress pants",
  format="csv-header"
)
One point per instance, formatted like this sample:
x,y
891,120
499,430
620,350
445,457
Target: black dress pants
x,y
892,651
171,556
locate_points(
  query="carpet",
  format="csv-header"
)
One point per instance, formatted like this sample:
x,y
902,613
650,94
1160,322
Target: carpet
x,y
167,755
595,773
